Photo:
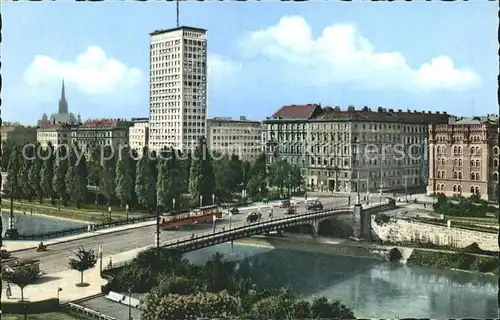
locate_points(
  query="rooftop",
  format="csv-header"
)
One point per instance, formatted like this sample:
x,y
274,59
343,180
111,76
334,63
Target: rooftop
x,y
157,32
103,122
314,112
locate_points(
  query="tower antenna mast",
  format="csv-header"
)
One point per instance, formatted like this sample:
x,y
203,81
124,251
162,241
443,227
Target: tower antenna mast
x,y
177,9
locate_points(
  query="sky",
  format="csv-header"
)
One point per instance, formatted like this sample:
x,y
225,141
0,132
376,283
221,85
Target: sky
x,y
431,56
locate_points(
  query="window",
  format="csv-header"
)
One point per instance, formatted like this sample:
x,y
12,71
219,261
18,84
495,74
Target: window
x,y
477,163
455,188
438,187
439,174
472,150
460,162
472,189
477,190
472,162
460,175
460,189
455,150
455,175
442,187
495,163
495,176
495,150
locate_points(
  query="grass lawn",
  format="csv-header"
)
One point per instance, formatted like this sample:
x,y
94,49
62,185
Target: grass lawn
x,y
46,316
489,220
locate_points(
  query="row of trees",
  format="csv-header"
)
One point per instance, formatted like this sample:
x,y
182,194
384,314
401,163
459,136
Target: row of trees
x,y
472,206
34,172
217,289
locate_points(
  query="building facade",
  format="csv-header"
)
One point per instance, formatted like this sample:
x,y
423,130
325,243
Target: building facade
x,y
242,137
139,134
56,134
464,157
178,88
101,132
352,150
17,133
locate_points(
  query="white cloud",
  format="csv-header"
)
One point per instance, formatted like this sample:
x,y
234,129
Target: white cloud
x,y
221,70
92,72
341,54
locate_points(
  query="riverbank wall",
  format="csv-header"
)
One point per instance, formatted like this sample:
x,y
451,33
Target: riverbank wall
x,y
408,231
321,245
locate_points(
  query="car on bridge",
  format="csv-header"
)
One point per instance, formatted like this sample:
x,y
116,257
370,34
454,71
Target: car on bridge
x,y
291,210
284,203
233,210
314,205
253,216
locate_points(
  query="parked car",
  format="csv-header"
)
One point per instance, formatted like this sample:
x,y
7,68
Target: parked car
x,y
234,210
253,216
284,203
291,210
314,205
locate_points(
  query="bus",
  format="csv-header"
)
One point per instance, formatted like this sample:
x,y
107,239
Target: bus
x,y
200,215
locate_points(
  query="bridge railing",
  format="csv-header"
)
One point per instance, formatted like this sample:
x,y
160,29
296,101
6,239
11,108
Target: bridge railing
x,y
88,312
249,226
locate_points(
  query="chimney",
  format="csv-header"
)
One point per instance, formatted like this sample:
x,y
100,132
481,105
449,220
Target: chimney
x,y
437,112
445,113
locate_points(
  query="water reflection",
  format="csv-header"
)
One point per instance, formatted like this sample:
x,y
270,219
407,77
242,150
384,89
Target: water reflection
x,y
28,224
374,289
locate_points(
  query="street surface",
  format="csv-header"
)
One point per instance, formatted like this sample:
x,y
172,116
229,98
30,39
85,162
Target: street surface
x,y
56,258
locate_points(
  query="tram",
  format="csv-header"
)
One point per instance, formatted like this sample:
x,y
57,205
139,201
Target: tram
x,y
200,215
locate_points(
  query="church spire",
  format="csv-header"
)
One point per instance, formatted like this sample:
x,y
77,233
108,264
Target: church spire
x,y
63,104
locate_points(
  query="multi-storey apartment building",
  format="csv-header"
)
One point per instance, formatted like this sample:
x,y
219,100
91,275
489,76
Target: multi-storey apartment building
x,y
350,150
56,134
464,157
242,137
17,133
139,134
101,132
178,87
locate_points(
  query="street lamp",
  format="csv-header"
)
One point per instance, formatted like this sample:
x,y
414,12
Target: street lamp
x,y
173,204
129,304
201,200
127,208
109,211
213,198
230,215
100,259
214,218
59,289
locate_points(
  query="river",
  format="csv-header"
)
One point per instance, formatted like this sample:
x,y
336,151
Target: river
x,y
372,288
28,224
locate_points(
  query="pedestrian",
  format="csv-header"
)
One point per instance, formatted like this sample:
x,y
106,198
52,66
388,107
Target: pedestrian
x,y
110,263
8,291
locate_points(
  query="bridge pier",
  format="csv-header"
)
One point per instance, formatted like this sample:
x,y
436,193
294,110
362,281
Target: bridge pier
x,y
362,223
315,227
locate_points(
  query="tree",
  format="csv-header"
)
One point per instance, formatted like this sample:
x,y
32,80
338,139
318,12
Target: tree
x,y
125,177
7,147
22,275
23,174
15,161
76,176
295,178
145,182
47,174
85,259
59,185
107,184
279,176
202,179
202,305
34,175
171,284
257,177
164,182
228,176
218,273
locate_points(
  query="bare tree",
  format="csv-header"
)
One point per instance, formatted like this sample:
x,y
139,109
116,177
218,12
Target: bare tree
x,y
85,259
